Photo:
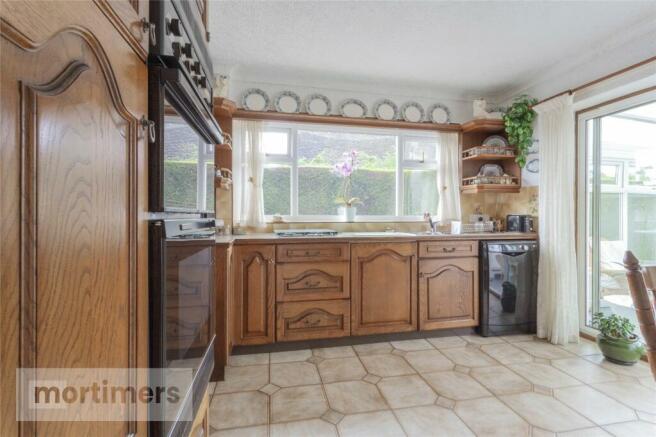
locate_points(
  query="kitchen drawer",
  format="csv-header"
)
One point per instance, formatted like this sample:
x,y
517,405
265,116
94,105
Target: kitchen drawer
x,y
313,320
447,249
312,281
312,252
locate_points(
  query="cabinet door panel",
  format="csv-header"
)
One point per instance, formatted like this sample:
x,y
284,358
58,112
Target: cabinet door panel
x,y
312,281
313,320
254,293
448,293
383,288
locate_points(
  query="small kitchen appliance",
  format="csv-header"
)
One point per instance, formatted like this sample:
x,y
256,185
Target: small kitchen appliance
x,y
519,223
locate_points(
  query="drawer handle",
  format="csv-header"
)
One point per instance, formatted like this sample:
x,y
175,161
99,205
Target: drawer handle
x,y
312,253
311,323
448,249
310,284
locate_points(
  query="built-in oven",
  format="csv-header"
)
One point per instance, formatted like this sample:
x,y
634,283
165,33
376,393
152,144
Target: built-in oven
x,y
184,131
182,325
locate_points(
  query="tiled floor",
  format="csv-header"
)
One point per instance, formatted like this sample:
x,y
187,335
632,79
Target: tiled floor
x,y
447,386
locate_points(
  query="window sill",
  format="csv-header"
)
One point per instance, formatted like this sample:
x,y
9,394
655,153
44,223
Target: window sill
x,y
337,219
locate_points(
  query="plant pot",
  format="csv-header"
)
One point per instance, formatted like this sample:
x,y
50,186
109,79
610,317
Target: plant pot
x,y
620,350
347,213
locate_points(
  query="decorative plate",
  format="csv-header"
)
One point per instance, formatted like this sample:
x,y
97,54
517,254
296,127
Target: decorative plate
x,y
438,113
386,110
496,141
533,165
288,102
412,112
353,108
255,99
490,170
318,104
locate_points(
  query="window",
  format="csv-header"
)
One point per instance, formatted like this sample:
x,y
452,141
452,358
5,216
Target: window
x,y
396,176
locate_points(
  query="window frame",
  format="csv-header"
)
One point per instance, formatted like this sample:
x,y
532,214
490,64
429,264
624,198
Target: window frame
x,y
401,137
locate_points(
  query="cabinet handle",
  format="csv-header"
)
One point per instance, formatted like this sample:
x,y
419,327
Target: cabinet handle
x,y
312,253
147,26
310,284
272,261
310,323
149,126
449,249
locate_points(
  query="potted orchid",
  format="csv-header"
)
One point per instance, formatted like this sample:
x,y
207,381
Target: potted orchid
x,y
344,169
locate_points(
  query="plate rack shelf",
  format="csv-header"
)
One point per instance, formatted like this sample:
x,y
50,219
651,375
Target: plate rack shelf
x,y
473,134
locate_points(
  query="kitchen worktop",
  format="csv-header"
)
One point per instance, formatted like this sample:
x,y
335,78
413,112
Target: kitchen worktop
x,y
260,238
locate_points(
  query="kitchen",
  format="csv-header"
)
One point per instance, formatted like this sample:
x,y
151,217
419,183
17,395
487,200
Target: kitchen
x,y
197,202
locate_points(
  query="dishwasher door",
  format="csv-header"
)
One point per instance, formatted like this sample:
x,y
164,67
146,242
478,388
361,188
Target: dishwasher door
x,y
508,288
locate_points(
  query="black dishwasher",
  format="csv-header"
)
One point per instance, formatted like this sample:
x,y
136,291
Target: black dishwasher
x,y
508,287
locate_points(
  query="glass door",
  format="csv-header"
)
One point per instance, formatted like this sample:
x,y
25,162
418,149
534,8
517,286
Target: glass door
x,y
616,201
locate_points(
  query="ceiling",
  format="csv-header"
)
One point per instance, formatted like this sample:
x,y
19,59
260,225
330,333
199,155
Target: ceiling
x,y
470,48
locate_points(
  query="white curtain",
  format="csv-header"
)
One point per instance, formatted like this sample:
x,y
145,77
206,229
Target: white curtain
x,y
248,168
448,182
558,314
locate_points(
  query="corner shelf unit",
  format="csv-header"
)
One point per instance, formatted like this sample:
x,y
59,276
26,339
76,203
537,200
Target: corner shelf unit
x,y
473,134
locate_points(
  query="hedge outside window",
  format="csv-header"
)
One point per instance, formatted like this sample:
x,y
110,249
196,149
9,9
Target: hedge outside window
x,y
396,177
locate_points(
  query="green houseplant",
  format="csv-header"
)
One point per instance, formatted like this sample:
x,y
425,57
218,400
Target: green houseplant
x,y
616,339
518,121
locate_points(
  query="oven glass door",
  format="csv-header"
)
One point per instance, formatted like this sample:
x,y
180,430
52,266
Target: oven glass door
x,y
188,170
188,302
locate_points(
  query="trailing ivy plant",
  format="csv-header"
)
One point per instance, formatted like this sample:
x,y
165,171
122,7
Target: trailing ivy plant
x,y
613,326
518,120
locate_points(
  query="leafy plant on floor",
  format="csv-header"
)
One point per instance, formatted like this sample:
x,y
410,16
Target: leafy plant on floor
x,y
518,120
613,326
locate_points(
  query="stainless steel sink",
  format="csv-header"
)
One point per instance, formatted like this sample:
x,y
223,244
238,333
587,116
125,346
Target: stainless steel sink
x,y
378,234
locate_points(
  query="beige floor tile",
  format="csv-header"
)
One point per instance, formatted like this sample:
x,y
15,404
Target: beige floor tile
x,y
546,412
544,375
646,417
406,391
428,361
248,359
630,394
341,369
386,365
334,352
456,385
304,428
239,409
585,432
594,405
293,374
648,382
298,403
447,342
354,397
412,345
538,432
243,379
251,431
584,370
469,357
373,348
500,380
506,353
582,348
378,424
489,417
432,421
638,370
211,388
542,349
479,340
516,338
632,429
290,356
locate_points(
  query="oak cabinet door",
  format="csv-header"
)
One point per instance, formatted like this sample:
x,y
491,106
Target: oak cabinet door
x,y
127,16
254,289
448,293
313,320
312,281
383,288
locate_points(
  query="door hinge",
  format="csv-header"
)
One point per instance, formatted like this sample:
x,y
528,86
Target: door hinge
x,y
148,27
149,126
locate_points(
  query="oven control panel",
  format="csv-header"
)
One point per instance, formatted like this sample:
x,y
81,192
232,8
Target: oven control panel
x,y
180,43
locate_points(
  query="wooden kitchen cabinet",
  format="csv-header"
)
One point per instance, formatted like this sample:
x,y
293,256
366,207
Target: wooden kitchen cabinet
x,y
448,293
312,281
313,320
383,288
254,293
128,17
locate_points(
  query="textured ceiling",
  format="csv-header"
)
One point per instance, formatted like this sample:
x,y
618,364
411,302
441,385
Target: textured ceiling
x,y
477,48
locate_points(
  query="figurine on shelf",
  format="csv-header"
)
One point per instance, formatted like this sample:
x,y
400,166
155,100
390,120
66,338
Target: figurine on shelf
x,y
480,111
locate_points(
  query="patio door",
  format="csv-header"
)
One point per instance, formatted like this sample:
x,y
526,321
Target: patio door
x,y
616,201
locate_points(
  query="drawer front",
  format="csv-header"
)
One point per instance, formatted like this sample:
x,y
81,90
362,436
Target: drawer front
x,y
447,249
312,281
313,320
312,252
